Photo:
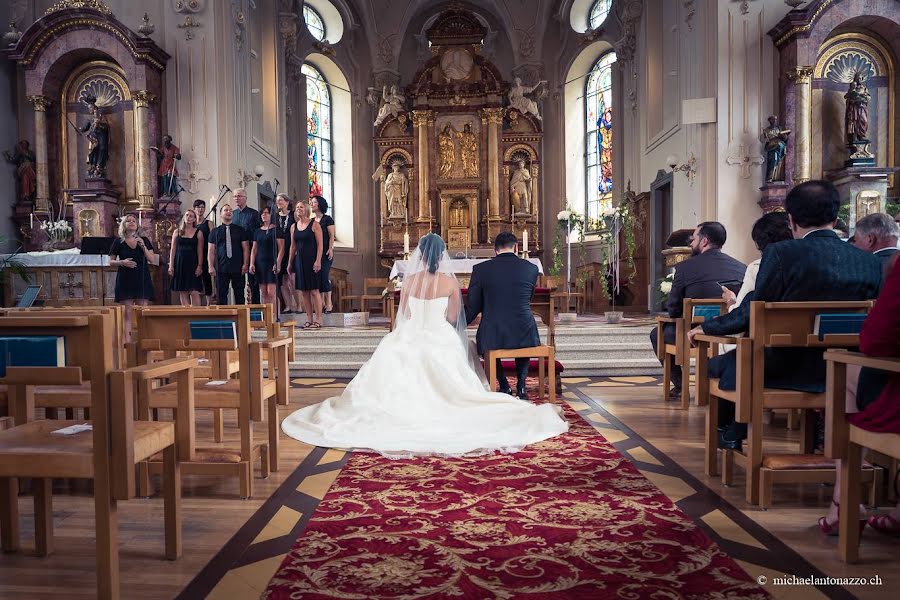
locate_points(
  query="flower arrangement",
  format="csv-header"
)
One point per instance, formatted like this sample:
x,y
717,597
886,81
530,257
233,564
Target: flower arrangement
x,y
665,287
392,286
58,231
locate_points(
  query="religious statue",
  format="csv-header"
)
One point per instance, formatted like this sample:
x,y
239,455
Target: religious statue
x,y
519,101
468,151
97,133
396,189
856,117
87,219
458,213
168,171
446,152
23,157
774,139
392,105
520,190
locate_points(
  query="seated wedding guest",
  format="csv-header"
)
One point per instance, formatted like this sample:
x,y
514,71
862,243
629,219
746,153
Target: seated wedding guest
x,y
877,233
319,207
284,218
814,266
875,406
204,224
768,229
305,262
229,257
265,256
133,254
696,278
185,264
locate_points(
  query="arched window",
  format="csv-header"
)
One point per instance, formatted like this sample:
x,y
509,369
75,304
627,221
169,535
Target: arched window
x,y
318,134
314,22
598,13
598,135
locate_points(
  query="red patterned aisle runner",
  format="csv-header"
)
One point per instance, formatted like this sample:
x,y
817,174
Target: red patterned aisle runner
x,y
569,517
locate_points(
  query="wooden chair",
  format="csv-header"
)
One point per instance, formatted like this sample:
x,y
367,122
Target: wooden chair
x,y
376,285
845,441
544,355
542,305
772,325
346,298
170,331
694,313
107,454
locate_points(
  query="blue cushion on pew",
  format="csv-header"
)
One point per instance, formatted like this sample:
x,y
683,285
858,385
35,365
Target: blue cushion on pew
x,y
838,323
32,351
213,330
256,316
510,365
706,312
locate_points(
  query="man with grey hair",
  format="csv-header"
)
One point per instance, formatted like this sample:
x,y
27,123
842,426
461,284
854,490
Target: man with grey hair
x,y
877,233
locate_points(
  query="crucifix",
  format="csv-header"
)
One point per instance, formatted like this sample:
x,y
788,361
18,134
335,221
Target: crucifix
x,y
745,161
195,175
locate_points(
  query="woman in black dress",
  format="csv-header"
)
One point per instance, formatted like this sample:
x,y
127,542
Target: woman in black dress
x,y
185,265
306,262
319,208
284,218
265,256
133,254
204,226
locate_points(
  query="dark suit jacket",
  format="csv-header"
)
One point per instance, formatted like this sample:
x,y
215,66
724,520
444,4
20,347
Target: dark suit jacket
x,y
885,257
500,290
697,276
820,267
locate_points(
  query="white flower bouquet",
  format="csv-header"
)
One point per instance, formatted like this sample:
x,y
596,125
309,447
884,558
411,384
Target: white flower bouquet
x,y
392,286
59,231
665,284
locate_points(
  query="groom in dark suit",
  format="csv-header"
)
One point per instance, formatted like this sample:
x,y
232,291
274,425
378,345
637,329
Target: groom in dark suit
x,y
500,290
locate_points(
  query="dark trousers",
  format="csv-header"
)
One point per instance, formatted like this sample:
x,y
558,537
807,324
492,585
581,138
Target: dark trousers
x,y
668,338
254,289
724,368
521,373
236,281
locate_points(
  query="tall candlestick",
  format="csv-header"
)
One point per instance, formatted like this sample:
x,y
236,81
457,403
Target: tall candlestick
x,y
406,242
525,240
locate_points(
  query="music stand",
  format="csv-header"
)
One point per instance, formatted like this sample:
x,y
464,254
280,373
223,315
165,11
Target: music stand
x,y
96,245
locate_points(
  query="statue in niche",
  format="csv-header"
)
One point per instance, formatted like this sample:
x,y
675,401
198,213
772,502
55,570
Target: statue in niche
x,y
519,101
396,189
89,223
392,104
774,139
23,157
97,133
446,152
468,151
168,171
520,190
856,117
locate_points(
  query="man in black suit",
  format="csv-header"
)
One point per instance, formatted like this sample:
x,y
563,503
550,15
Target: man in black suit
x,y
877,233
500,290
814,266
696,278
249,219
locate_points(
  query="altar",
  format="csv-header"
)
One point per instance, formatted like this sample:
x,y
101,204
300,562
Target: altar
x,y
462,267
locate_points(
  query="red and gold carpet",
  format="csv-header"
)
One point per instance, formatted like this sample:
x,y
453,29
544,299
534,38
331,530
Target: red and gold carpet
x,y
569,517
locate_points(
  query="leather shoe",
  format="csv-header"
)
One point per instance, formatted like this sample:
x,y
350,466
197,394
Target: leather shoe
x,y
729,444
521,393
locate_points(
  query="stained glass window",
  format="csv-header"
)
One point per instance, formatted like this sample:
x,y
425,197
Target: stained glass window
x,y
599,137
314,22
318,135
599,12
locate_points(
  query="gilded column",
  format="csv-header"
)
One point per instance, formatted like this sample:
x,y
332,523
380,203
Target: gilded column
x,y
493,118
422,119
142,100
801,78
42,193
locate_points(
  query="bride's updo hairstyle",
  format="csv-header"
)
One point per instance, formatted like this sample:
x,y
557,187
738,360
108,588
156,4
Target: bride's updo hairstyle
x,y
432,248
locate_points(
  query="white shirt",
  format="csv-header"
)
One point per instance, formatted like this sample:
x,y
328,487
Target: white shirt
x,y
748,285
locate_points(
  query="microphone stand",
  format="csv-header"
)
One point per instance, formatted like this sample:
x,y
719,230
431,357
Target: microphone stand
x,y
223,189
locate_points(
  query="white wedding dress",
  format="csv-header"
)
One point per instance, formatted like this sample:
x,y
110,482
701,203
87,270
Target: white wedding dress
x,y
418,395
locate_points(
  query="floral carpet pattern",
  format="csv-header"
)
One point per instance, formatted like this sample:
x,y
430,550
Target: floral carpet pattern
x,y
569,517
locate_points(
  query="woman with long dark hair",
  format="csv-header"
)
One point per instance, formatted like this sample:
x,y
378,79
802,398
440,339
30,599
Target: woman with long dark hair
x,y
265,256
319,208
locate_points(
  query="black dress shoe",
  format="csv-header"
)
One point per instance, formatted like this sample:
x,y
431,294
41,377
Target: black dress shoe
x,y
506,390
729,444
521,393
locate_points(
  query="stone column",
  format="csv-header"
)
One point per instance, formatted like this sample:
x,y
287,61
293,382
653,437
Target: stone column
x,y
492,118
801,78
142,100
422,119
42,195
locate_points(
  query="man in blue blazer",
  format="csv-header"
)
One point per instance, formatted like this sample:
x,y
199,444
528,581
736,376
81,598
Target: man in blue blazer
x,y
500,290
814,266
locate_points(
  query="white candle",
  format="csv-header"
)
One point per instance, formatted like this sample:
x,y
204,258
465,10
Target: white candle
x,y
406,242
525,240
32,220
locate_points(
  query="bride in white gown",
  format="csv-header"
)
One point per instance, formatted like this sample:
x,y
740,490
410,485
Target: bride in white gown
x,y
423,391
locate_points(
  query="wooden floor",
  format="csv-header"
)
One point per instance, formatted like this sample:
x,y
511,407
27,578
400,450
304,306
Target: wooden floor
x,y
212,513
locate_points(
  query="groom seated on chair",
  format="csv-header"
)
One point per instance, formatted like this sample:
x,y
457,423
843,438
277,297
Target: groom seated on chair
x,y
500,290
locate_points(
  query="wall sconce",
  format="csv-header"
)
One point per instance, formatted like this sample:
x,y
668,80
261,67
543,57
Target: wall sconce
x,y
689,168
244,178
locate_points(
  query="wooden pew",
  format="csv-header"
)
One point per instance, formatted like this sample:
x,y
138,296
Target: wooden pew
x,y
772,325
691,316
107,454
251,394
845,442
